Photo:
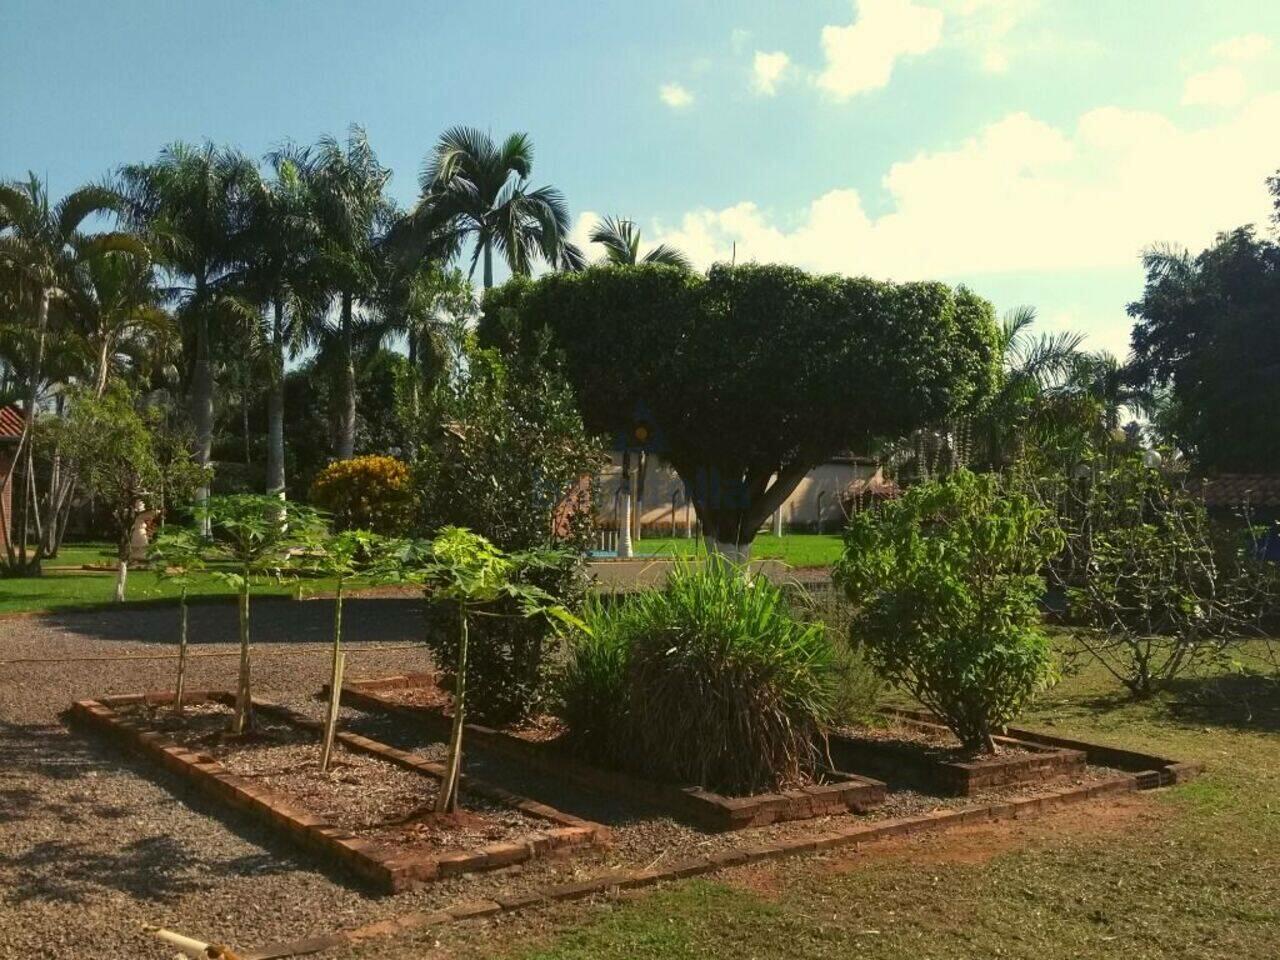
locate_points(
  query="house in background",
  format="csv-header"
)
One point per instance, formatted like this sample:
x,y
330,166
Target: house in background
x,y
821,503
10,434
1251,496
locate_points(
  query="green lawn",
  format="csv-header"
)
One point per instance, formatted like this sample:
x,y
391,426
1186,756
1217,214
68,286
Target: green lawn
x,y
794,549
1194,872
64,589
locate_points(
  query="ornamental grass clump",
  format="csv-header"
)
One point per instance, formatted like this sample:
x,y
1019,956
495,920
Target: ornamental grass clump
x,y
709,681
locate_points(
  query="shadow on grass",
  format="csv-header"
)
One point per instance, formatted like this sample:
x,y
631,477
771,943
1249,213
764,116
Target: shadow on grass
x,y
1244,701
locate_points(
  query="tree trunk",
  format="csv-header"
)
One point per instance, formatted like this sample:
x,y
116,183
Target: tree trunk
x,y
275,408
488,264
346,445
624,522
122,574
733,507
202,403
242,720
335,683
447,800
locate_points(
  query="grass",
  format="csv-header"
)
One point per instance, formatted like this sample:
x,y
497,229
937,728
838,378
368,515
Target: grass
x,y
69,589
1196,875
793,549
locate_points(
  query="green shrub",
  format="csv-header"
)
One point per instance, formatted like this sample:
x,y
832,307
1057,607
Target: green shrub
x,y
946,585
711,681
367,493
859,687
502,451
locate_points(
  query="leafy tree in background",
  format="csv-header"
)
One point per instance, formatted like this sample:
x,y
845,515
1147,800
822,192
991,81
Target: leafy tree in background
x,y
502,451
1206,338
41,247
111,446
748,378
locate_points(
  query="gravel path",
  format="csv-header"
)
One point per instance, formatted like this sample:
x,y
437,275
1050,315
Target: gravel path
x,y
93,843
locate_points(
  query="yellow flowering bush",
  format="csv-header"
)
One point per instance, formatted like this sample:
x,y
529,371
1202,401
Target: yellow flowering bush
x,y
369,493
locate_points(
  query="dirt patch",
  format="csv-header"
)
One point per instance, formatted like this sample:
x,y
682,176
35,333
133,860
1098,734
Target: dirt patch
x,y
933,742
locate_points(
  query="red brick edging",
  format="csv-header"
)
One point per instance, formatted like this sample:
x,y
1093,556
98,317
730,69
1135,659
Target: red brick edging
x,y
389,870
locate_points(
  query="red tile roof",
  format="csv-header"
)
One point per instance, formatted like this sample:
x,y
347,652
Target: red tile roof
x,y
1237,489
10,423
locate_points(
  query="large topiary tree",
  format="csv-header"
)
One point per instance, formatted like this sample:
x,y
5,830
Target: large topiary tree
x,y
746,379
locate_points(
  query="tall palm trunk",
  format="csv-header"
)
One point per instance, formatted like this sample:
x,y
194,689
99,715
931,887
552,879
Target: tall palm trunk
x,y
275,407
202,400
488,264
345,448
624,522
26,445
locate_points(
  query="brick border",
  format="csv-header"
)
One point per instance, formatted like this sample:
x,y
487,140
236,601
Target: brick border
x,y
960,778
852,835
709,810
1155,771
388,870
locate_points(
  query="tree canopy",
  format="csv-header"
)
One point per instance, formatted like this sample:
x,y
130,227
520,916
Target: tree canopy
x,y
1207,339
748,377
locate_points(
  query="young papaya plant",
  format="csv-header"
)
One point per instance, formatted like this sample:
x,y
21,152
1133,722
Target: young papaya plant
x,y
256,537
341,556
177,555
466,570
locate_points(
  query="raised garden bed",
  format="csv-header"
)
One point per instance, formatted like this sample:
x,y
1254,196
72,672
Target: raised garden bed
x,y
1152,770
923,754
370,813
416,695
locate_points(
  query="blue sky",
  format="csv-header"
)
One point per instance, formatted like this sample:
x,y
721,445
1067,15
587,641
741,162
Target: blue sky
x,y
1029,149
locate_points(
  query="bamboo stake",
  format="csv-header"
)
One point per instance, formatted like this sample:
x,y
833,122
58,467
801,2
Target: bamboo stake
x,y
331,719
182,656
447,801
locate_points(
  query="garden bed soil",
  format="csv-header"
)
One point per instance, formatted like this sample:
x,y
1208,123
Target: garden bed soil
x,y
373,810
910,751
537,744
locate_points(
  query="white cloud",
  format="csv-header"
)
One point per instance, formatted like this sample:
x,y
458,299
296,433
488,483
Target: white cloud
x,y
1218,87
861,56
986,28
675,96
1020,195
767,71
1250,46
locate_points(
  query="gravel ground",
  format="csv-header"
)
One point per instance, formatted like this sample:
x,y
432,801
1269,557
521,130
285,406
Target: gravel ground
x,y
93,842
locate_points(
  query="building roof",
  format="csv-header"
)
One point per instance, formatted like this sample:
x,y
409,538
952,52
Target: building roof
x,y
1237,489
10,423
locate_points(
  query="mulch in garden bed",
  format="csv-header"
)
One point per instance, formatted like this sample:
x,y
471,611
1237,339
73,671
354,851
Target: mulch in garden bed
x,y
372,811
911,752
368,797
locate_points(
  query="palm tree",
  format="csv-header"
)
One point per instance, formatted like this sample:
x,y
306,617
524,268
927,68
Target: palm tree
x,y
286,277
480,190
353,214
193,204
621,241
40,247
116,308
